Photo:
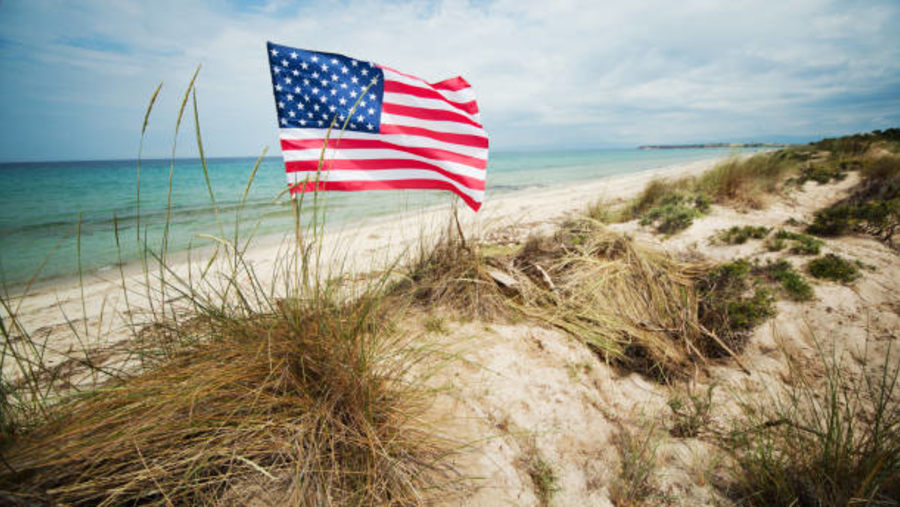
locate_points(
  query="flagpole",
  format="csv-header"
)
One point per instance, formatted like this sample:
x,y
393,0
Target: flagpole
x,y
455,211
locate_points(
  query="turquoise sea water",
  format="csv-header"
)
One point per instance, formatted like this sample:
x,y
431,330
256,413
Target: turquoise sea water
x,y
40,203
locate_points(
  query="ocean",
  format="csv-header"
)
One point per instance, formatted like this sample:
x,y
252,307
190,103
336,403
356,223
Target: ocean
x,y
46,207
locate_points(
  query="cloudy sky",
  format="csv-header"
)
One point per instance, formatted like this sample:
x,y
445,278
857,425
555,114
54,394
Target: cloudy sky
x,y
76,76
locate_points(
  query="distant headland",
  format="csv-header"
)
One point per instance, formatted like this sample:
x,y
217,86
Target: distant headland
x,y
710,145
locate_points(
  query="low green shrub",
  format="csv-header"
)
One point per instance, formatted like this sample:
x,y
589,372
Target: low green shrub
x,y
739,235
776,244
801,244
833,221
821,174
676,212
731,303
833,267
792,283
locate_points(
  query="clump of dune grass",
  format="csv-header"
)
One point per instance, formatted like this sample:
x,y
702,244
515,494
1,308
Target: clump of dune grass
x,y
832,444
653,194
602,212
833,267
300,386
633,305
739,234
745,181
310,399
454,274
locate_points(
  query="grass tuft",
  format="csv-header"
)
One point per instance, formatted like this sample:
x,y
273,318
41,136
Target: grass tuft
x,y
831,444
653,194
313,398
668,206
630,304
602,212
544,479
455,275
745,181
690,413
637,451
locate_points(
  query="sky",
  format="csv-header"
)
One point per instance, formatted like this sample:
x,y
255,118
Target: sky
x,y
77,76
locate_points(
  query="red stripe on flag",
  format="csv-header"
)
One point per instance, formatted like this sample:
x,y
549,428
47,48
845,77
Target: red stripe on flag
x,y
353,186
363,144
463,139
454,84
424,113
381,164
470,107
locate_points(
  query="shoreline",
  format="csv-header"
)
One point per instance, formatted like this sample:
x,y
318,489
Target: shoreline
x,y
274,240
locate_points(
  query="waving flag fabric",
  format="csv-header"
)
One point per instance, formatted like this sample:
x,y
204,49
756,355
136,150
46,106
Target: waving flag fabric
x,y
390,130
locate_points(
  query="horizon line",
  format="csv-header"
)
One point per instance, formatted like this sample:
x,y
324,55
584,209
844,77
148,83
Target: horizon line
x,y
710,144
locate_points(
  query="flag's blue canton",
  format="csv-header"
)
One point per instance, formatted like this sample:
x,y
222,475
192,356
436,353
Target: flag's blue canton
x,y
312,89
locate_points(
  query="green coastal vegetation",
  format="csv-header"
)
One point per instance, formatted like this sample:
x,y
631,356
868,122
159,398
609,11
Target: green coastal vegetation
x,y
833,267
739,234
317,383
873,206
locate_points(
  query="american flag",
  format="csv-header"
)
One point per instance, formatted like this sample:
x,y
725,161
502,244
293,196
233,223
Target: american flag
x,y
389,130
